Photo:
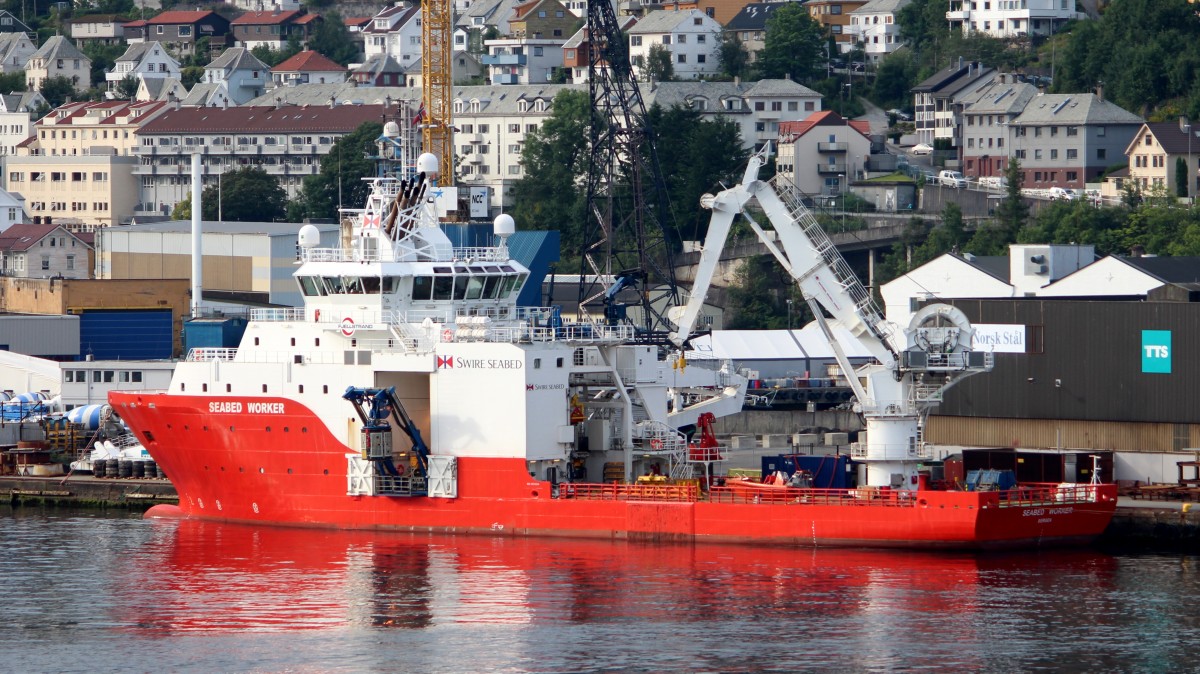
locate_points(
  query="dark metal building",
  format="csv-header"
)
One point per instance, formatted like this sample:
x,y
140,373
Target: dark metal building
x,y
1118,375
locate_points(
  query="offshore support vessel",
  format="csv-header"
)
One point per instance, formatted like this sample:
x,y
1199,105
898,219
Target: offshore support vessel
x,y
411,392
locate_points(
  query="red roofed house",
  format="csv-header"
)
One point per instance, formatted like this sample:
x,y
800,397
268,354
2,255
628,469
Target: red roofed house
x,y
307,67
43,251
820,154
179,31
273,29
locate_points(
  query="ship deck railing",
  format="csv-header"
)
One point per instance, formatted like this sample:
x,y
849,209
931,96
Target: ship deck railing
x,y
862,496
1047,494
675,493
465,255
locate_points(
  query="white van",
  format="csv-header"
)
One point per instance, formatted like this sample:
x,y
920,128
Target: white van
x,y
1062,193
952,179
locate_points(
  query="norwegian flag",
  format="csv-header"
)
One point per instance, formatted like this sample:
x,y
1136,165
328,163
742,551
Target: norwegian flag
x,y
370,221
420,115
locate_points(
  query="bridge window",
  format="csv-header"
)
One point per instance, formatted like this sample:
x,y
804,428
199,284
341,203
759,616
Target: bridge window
x,y
422,288
310,286
474,287
443,287
491,287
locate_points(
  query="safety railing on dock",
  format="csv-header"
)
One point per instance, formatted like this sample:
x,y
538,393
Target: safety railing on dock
x,y
631,492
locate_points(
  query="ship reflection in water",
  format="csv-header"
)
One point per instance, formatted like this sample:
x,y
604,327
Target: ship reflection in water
x,y
184,596
214,577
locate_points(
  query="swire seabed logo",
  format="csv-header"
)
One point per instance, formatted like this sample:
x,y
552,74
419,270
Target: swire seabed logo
x,y
445,362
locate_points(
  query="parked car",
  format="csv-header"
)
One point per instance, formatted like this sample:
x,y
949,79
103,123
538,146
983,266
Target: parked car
x,y
921,148
1062,194
900,115
953,179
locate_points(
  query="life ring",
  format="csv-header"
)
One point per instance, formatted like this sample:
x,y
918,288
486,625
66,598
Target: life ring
x,y
656,444
317,316
447,335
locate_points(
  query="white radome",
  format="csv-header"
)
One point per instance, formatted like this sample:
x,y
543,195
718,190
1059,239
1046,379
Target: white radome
x,y
310,237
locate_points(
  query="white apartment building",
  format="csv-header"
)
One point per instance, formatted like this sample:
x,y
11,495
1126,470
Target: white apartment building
x,y
1011,18
286,141
396,32
692,37
875,26
523,60
493,121
16,121
77,169
142,61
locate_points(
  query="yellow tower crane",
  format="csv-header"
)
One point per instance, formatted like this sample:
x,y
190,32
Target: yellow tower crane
x,y
437,134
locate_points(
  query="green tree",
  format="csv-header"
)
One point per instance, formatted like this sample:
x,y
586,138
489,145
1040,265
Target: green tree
x,y
894,80
695,155
1144,51
339,181
190,76
758,297
1181,177
1012,211
104,58
551,193
127,88
245,195
733,55
659,64
12,82
56,90
794,46
273,57
331,38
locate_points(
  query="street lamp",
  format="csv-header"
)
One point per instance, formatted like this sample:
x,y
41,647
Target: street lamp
x,y
1187,128
789,303
842,189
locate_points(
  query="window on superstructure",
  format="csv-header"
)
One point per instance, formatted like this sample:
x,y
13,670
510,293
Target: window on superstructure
x,y
422,288
491,287
460,286
333,285
474,287
352,285
443,287
310,286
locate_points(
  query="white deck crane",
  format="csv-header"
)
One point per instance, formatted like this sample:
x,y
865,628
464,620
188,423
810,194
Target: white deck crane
x,y
913,369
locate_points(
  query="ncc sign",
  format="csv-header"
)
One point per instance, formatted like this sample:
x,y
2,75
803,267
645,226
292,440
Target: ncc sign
x,y
1156,351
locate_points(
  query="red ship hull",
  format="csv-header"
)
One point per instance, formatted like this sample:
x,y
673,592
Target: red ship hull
x,y
289,469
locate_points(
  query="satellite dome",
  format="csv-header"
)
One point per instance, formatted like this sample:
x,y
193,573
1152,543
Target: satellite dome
x,y
427,163
504,225
310,237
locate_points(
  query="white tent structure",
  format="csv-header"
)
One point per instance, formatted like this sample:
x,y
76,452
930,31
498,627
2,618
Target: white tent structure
x,y
778,354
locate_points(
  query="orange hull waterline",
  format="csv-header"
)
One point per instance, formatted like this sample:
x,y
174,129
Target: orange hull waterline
x,y
412,393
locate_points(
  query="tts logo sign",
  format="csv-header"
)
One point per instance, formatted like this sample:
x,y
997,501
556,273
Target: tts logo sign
x,y
1156,351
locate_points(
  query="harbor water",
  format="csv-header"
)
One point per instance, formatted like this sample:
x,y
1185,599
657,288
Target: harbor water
x,y
85,592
